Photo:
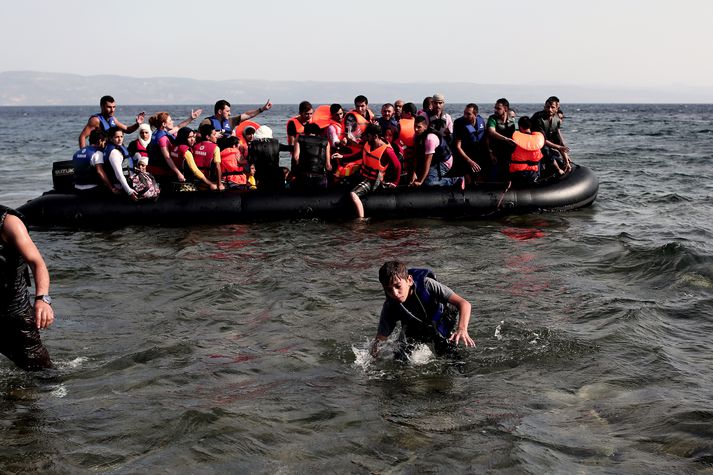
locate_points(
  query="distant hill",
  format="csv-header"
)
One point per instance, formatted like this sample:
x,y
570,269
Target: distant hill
x,y
24,88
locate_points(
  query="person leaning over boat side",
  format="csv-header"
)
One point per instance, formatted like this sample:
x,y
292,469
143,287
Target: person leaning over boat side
x,y
425,308
139,147
222,121
525,160
182,152
207,155
312,159
555,152
105,120
377,155
19,324
159,150
468,140
439,120
433,157
500,127
120,164
89,173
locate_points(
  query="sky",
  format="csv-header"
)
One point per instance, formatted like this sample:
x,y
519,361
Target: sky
x,y
622,43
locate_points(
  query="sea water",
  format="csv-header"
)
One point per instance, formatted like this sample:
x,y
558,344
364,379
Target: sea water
x,y
244,348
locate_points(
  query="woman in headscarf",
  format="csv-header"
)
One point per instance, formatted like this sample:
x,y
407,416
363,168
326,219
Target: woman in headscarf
x,y
139,148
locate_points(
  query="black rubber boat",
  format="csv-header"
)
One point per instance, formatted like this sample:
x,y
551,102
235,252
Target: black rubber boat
x,y
57,209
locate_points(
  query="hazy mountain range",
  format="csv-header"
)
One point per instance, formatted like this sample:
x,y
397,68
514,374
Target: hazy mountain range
x,y
25,88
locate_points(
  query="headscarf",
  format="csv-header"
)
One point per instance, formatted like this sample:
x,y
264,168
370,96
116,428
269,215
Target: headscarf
x,y
263,132
144,143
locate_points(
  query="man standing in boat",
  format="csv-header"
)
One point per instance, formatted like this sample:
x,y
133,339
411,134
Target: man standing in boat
x,y
105,120
222,121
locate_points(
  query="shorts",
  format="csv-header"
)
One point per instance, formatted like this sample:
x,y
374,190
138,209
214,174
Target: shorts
x,y
365,187
20,340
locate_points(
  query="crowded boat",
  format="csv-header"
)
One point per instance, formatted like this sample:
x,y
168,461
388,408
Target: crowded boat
x,y
350,155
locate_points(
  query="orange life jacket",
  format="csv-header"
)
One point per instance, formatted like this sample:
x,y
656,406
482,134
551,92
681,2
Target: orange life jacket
x,y
408,134
354,143
298,126
338,127
238,131
527,154
371,167
231,169
322,116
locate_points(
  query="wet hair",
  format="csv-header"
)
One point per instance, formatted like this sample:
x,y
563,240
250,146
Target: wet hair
x,y
473,106
419,118
360,98
105,100
373,129
334,108
409,107
312,128
504,102
96,135
205,130
392,270
112,131
552,99
157,120
182,135
221,104
305,106
524,122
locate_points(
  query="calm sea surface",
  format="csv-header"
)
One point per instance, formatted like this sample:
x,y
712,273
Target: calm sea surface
x,y
242,349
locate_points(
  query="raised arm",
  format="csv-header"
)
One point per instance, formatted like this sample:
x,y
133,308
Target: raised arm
x,y
184,123
251,113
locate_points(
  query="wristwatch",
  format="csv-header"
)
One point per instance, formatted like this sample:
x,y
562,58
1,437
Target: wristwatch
x,y
45,298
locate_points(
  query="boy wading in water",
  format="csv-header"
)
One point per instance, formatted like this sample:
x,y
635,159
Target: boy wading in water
x,y
416,299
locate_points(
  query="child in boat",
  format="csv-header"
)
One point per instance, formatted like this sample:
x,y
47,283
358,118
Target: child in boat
x,y
252,183
423,306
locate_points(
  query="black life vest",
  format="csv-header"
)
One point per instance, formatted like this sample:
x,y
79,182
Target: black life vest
x,y
14,274
313,154
442,152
